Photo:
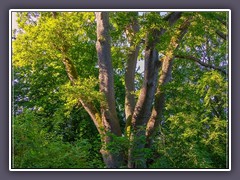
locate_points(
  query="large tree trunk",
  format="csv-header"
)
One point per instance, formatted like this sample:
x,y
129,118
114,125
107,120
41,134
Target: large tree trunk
x,y
105,121
106,83
110,121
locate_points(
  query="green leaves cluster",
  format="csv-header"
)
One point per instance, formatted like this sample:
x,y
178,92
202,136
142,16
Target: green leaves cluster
x,y
33,145
84,88
194,128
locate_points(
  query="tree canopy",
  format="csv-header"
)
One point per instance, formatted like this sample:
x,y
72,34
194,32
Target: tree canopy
x,y
120,90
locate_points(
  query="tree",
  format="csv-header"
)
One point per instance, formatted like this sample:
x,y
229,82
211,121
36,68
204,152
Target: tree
x,y
99,53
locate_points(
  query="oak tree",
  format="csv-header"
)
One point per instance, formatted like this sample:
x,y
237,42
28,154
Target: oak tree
x,y
90,60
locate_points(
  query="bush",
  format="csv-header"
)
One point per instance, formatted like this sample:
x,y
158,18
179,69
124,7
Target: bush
x,y
34,147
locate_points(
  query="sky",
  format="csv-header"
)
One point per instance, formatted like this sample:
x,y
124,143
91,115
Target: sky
x,y
14,20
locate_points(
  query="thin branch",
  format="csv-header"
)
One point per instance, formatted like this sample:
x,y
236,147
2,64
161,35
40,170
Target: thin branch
x,y
221,35
192,58
132,29
173,17
88,106
222,21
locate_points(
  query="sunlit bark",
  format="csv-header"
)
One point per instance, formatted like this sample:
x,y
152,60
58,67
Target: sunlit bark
x,y
110,121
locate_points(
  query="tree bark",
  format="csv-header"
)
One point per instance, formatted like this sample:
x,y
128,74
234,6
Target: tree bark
x,y
157,111
88,106
165,76
106,84
131,31
106,122
143,108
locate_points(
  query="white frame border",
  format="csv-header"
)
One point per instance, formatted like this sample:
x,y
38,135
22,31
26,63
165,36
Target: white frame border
x,y
115,10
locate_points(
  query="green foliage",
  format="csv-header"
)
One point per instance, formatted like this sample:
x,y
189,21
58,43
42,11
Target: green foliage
x,y
117,144
34,147
194,130
153,20
84,88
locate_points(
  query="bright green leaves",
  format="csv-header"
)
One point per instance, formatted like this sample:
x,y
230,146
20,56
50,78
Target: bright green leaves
x,y
54,35
213,88
40,77
84,88
195,118
153,20
41,47
202,39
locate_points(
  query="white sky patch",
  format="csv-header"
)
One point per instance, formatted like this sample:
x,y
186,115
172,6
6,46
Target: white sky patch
x,y
161,13
14,21
140,65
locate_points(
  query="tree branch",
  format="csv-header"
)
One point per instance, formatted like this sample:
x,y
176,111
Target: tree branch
x,y
192,58
173,17
221,34
73,77
132,28
222,21
165,76
142,110
106,80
